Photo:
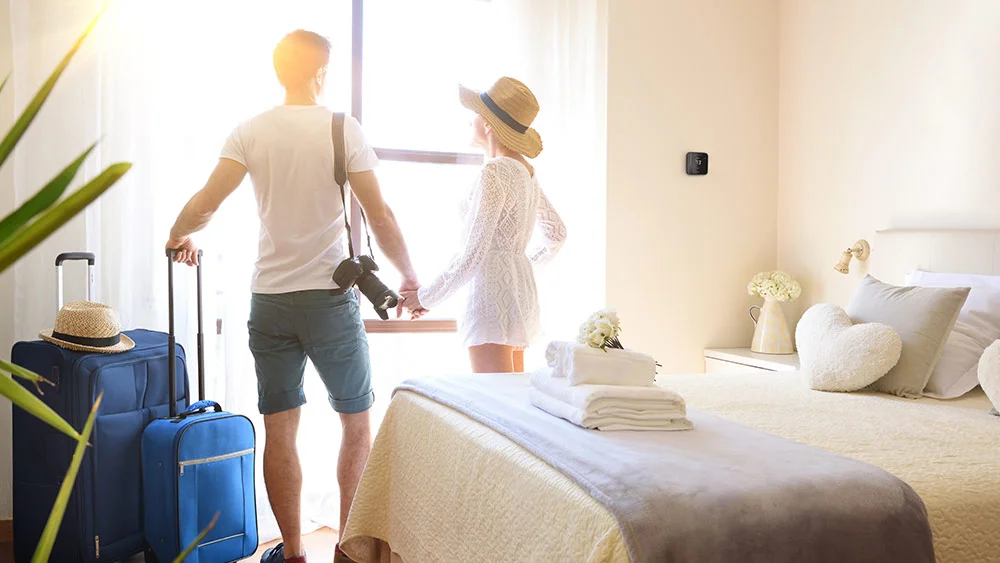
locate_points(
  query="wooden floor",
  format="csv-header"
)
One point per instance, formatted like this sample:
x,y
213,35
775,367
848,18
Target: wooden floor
x,y
320,546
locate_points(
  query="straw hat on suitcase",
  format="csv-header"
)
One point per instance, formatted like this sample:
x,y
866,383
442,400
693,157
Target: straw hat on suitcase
x,y
86,326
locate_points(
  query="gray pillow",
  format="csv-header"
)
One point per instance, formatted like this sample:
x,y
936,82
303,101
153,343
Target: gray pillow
x,y
923,317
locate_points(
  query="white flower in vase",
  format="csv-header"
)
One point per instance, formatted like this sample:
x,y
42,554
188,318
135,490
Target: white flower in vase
x,y
775,285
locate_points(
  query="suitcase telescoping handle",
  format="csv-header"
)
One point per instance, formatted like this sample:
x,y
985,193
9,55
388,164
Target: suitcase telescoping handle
x,y
172,339
71,257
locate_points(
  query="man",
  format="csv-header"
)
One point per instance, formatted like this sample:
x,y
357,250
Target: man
x,y
297,310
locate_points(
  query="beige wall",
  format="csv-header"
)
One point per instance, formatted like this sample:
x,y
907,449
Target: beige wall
x,y
889,117
690,76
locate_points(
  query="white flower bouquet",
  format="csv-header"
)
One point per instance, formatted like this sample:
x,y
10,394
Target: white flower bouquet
x,y
601,330
778,286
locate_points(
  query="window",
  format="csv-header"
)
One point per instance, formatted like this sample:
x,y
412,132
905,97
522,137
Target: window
x,y
414,54
409,58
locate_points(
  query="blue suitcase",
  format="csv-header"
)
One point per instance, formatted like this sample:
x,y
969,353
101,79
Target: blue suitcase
x,y
104,516
195,465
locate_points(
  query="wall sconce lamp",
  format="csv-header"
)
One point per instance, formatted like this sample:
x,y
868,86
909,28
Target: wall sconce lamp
x,y
861,250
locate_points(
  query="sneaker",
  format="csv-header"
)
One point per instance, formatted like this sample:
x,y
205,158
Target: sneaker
x,y
277,555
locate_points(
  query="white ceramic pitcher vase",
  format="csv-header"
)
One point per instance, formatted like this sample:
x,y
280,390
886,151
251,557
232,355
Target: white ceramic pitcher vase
x,y
771,335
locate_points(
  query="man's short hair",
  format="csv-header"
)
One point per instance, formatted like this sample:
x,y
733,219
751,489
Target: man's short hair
x,y
299,56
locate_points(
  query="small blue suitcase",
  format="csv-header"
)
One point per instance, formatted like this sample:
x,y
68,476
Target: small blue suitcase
x,y
195,465
103,521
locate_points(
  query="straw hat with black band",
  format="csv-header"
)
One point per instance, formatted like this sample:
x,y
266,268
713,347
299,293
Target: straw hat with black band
x,y
85,326
509,107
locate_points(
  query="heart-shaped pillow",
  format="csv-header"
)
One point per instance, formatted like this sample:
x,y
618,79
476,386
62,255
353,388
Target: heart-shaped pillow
x,y
989,373
837,355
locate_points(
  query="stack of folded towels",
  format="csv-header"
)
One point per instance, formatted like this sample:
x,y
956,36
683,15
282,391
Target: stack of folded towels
x,y
606,390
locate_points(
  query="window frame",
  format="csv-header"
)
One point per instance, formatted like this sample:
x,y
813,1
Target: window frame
x,y
377,325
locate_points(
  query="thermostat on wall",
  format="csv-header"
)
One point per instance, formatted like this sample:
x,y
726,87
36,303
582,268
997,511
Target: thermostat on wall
x,y
697,163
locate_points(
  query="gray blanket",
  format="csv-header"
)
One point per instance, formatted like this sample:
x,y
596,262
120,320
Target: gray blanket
x,y
719,493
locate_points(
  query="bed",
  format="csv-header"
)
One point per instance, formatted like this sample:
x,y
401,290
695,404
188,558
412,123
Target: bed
x,y
443,487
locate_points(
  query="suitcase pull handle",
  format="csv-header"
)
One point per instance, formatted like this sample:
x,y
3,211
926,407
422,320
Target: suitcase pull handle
x,y
172,339
90,257
199,408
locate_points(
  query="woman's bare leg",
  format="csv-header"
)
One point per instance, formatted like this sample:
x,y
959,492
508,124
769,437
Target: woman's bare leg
x,y
492,358
519,360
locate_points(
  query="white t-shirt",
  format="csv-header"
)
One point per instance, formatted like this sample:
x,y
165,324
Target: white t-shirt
x,y
288,151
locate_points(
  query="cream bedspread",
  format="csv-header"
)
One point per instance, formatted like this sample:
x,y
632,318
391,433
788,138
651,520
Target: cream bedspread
x,y
441,487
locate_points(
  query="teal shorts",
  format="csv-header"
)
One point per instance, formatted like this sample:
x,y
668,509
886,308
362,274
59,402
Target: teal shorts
x,y
288,328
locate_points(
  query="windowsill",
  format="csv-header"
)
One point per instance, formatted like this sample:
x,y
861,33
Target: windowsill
x,y
378,326
432,157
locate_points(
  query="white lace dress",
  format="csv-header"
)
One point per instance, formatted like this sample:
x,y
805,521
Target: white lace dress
x,y
500,219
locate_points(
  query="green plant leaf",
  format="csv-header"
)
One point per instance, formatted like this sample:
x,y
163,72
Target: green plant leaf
x,y
4,83
48,539
19,371
56,216
44,198
33,405
22,123
187,551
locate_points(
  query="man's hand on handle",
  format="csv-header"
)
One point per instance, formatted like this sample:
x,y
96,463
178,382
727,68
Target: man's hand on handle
x,y
187,252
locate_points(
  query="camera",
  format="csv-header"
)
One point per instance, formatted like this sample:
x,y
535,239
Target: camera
x,y
358,270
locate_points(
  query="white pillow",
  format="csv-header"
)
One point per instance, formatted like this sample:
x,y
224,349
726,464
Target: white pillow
x,y
978,326
989,373
837,355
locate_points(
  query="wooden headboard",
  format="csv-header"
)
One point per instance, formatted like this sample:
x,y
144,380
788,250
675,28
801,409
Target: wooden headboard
x,y
898,252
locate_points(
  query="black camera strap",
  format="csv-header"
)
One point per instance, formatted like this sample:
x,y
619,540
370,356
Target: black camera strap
x,y
340,176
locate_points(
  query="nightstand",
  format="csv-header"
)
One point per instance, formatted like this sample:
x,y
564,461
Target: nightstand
x,y
732,360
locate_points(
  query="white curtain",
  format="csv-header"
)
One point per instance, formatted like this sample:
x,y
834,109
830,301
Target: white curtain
x,y
163,84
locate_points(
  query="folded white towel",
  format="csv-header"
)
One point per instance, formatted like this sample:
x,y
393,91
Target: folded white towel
x,y
565,411
594,399
583,364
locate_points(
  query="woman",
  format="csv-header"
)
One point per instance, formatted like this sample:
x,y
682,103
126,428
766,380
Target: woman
x,y
502,316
